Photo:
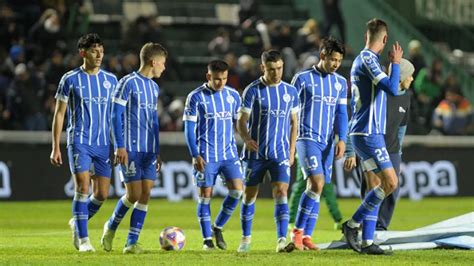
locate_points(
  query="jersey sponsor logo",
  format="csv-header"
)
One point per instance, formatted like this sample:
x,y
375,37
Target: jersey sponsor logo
x,y
329,100
401,109
107,84
96,100
286,98
219,115
230,99
274,112
148,106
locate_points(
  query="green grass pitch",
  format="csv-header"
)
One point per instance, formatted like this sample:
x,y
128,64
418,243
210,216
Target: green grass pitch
x,y
37,233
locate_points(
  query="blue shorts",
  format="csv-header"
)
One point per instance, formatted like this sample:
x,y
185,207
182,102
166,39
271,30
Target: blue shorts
x,y
141,165
255,171
228,169
371,149
315,158
83,158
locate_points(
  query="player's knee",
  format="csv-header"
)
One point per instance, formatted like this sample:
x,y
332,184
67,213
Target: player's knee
x,y
236,194
279,193
101,195
133,198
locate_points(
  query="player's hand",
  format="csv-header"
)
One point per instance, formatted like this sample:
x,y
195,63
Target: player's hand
x,y
56,158
158,163
251,145
340,149
199,163
396,53
121,156
350,163
292,158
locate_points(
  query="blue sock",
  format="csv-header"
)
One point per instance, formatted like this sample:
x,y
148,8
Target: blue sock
x,y
372,200
282,216
368,229
305,207
136,222
247,212
312,219
204,217
120,210
93,205
80,214
228,207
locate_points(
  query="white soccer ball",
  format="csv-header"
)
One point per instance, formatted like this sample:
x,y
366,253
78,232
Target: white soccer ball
x,y
172,238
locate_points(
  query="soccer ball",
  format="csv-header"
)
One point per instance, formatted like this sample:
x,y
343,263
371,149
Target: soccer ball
x,y
172,238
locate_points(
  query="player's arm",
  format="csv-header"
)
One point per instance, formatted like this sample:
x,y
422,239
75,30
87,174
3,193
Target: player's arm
x,y
293,136
190,118
118,108
390,83
350,161
341,123
156,128
57,128
243,118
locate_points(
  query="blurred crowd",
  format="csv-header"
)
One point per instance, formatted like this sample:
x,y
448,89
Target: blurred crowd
x,y
37,46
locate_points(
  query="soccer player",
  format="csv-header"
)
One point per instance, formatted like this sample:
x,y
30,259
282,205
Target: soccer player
x,y
86,94
136,139
323,104
268,125
397,117
210,115
369,87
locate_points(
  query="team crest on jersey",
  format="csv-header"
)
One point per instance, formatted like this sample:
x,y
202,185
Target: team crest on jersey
x,y
107,84
230,99
367,59
286,98
338,86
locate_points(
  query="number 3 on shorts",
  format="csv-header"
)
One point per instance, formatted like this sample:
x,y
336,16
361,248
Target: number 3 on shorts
x,y
314,163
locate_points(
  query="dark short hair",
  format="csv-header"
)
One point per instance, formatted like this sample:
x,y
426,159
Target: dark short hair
x,y
217,66
89,40
150,50
271,56
330,45
375,27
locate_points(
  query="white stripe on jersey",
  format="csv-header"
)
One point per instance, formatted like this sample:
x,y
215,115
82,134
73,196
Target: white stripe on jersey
x,y
268,122
259,96
223,135
100,110
231,128
146,111
90,108
82,107
321,106
284,132
329,111
206,136
276,126
379,77
372,102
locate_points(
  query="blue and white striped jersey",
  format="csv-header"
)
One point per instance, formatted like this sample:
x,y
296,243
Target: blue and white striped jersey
x,y
369,85
321,95
139,95
89,99
215,113
269,109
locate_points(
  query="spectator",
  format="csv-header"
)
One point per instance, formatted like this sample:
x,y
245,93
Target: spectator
x,y
246,70
307,37
220,45
454,115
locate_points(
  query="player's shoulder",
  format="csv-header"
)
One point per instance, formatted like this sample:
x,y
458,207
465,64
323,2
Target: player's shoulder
x,y
197,91
231,90
304,72
368,57
253,85
71,74
288,85
340,77
109,74
127,78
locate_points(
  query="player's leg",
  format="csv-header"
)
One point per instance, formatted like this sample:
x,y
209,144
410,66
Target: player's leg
x,y
388,204
311,155
79,163
374,158
254,172
131,174
140,209
280,174
205,182
100,179
296,190
231,170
